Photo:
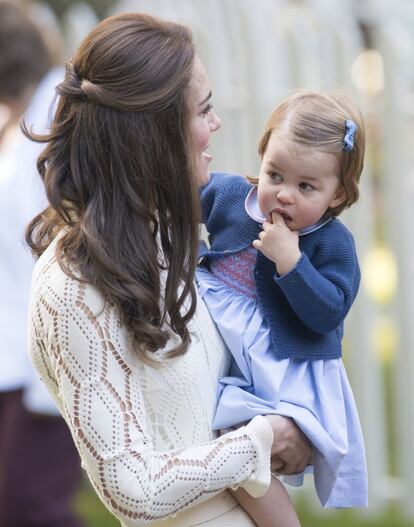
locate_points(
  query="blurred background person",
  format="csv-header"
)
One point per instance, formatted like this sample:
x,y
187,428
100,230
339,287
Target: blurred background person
x,y
39,465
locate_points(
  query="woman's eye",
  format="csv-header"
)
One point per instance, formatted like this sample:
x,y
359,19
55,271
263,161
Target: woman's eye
x,y
207,109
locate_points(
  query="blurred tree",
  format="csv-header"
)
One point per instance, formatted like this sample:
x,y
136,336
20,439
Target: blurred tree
x,y
99,6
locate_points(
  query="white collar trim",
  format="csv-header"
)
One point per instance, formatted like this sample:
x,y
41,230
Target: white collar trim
x,y
252,208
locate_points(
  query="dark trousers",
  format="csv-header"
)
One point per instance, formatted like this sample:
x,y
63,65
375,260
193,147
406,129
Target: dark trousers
x,y
39,468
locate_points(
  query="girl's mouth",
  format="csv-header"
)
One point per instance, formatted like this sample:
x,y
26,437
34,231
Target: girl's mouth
x,y
284,214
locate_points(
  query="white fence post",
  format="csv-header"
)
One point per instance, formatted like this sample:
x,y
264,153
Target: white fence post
x,y
399,220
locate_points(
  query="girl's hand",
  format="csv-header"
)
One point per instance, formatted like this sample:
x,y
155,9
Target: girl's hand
x,y
291,450
278,243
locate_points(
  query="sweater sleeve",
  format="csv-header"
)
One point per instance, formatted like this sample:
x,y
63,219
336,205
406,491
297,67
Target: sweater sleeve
x,y
79,351
321,292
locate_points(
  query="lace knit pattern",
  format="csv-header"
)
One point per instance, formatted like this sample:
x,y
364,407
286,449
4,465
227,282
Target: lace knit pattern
x,y
236,270
135,425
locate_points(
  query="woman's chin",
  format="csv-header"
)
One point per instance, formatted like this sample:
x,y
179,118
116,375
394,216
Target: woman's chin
x,y
203,177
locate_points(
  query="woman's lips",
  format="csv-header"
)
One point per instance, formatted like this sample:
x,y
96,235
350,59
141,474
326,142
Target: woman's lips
x,y
208,157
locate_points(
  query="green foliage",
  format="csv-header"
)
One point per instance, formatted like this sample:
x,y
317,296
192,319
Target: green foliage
x,y
99,6
92,511
95,514
349,517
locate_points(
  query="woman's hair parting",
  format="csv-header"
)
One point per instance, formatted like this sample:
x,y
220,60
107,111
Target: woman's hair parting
x,y
327,122
119,175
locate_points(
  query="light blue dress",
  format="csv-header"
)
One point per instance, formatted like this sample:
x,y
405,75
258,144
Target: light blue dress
x,y
316,394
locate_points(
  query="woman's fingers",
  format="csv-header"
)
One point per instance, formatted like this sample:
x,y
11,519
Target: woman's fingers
x,y
276,464
290,445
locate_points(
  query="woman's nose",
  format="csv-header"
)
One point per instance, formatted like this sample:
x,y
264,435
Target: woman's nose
x,y
214,122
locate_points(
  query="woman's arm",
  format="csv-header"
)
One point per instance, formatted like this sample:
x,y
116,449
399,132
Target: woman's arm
x,y
78,346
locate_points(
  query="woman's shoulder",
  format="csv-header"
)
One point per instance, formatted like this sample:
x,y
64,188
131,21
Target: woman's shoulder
x,y
54,286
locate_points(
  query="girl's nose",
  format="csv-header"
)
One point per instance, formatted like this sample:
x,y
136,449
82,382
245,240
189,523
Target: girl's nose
x,y
286,196
214,122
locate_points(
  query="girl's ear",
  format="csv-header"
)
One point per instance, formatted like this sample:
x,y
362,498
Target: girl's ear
x,y
339,197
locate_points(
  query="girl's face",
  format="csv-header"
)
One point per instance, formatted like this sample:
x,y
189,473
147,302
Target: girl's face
x,y
298,182
204,120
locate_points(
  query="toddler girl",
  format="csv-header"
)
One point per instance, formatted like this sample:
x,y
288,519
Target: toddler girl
x,y
279,278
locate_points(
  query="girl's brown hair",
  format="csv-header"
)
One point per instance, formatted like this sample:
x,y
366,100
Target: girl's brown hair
x,y
317,120
119,176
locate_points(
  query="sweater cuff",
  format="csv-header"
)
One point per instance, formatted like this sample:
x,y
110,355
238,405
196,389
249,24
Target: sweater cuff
x,y
297,269
261,433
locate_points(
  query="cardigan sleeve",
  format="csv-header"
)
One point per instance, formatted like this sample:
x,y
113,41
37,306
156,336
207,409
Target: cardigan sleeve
x,y
79,351
321,292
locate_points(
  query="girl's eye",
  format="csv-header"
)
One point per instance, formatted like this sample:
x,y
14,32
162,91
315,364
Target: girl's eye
x,y
306,187
207,109
275,177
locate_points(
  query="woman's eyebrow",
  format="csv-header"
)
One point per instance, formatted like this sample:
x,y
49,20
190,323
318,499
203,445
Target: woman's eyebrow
x,y
206,99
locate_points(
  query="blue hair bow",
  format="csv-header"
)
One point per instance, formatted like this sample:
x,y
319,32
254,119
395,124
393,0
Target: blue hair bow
x,y
351,128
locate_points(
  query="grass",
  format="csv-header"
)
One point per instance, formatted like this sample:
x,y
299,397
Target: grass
x,y
95,514
91,509
349,518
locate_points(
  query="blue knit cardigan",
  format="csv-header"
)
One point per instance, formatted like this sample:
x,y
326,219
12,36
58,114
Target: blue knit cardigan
x,y
306,307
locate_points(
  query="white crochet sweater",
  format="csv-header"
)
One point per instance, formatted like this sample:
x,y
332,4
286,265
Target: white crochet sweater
x,y
143,433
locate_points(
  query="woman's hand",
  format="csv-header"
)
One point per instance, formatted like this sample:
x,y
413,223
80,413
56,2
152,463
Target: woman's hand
x,y
291,450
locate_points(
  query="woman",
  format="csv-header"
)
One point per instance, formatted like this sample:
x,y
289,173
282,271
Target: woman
x,y
129,355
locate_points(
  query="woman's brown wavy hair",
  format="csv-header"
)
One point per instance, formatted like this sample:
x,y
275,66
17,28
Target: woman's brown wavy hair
x,y
119,175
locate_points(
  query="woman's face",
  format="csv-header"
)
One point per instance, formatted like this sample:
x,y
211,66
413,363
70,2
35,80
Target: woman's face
x,y
204,120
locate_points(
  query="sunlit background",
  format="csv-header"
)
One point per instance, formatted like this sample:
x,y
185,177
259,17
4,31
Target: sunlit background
x,y
255,51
